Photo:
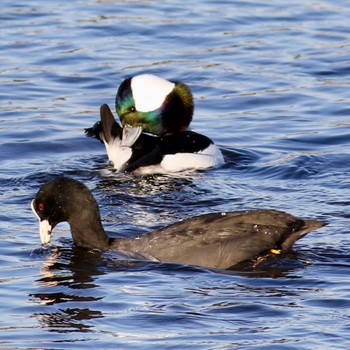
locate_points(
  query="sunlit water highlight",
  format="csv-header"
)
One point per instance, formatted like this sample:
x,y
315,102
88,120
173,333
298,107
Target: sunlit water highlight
x,y
271,85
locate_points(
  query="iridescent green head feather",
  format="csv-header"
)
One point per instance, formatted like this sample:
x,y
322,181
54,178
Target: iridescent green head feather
x,y
159,106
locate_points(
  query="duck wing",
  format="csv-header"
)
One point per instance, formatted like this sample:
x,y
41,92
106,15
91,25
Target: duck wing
x,y
107,129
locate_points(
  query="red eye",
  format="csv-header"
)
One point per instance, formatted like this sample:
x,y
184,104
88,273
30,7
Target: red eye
x,y
41,206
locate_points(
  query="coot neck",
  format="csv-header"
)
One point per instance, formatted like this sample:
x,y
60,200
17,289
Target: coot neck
x,y
88,232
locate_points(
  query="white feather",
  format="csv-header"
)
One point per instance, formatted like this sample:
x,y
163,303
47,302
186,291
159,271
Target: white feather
x,y
149,91
207,158
117,154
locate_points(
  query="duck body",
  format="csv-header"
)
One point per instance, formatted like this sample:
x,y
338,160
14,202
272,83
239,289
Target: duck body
x,y
218,240
148,153
153,137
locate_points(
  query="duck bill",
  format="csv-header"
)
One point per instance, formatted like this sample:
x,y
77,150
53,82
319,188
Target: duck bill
x,y
45,228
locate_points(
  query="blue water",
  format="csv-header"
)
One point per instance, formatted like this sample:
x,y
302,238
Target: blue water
x,y
271,81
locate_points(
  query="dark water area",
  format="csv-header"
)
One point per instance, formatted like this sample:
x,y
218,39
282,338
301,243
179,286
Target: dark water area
x,y
271,86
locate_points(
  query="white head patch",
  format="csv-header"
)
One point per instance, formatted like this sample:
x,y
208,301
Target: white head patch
x,y
149,91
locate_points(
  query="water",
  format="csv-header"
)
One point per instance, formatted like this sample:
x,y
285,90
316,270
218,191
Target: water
x,y
271,85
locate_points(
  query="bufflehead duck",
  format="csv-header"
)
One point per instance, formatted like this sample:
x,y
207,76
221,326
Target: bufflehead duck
x,y
132,150
220,240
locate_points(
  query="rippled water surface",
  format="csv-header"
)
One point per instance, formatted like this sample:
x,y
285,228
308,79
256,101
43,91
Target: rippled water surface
x,y
271,85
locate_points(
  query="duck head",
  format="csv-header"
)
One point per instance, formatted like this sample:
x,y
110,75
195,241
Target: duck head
x,y
157,105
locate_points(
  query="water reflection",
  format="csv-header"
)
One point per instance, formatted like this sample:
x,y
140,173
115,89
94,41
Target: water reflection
x,y
68,276
68,320
271,267
74,267
78,286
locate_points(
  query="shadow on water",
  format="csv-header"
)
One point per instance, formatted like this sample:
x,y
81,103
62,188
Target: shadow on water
x,y
239,159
